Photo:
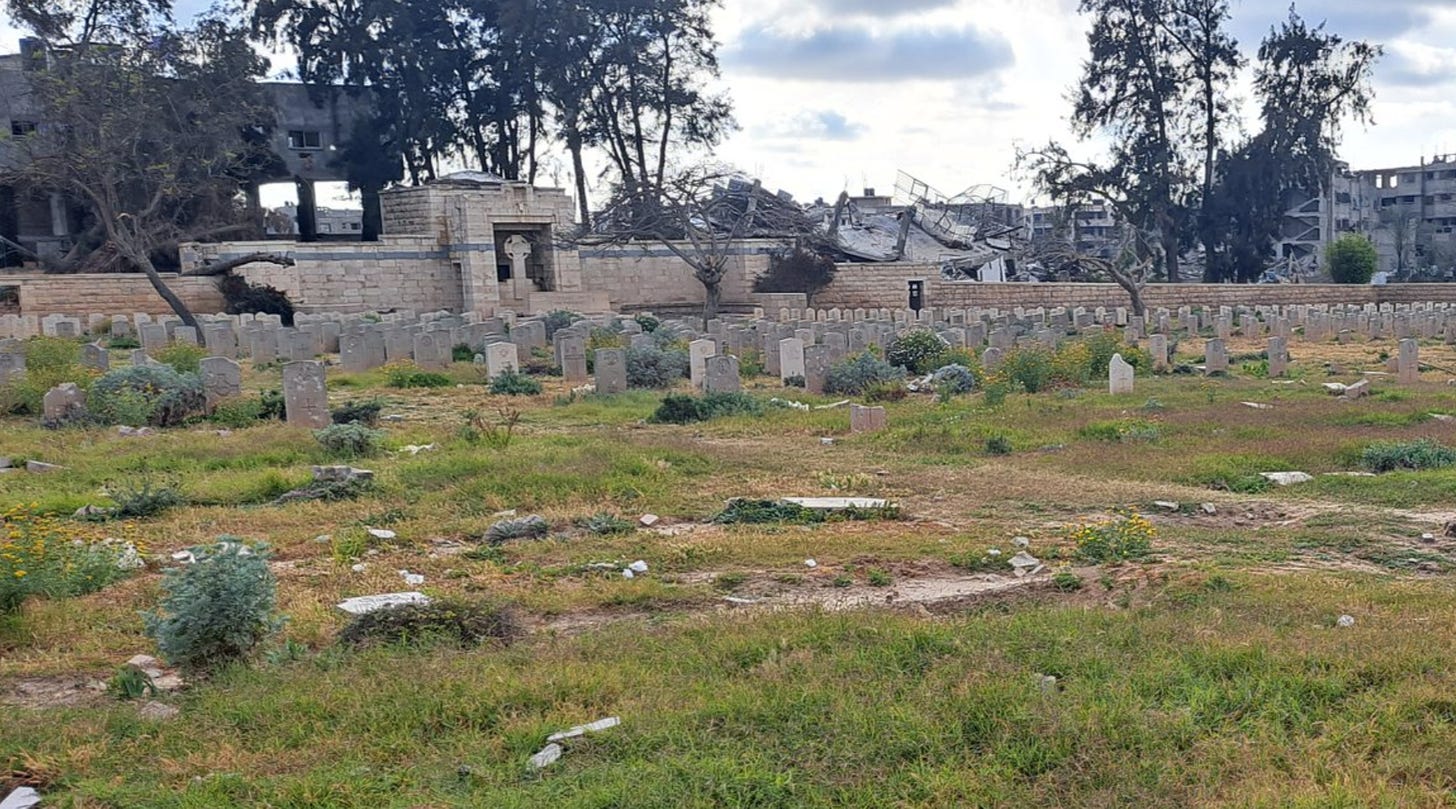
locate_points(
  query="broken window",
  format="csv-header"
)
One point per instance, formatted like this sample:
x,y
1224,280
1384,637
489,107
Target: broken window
x,y
304,139
22,128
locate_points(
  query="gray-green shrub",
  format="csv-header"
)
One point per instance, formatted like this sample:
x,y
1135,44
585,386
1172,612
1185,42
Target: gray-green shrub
x,y
856,375
146,394
655,367
352,440
217,609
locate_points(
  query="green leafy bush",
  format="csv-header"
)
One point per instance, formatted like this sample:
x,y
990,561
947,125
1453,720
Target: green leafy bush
x,y
352,440
238,412
511,383
998,445
126,343
1408,455
655,367
366,413
648,323
146,394
916,351
185,357
683,409
49,361
218,608
1027,367
408,375
461,623
856,375
1351,259
462,352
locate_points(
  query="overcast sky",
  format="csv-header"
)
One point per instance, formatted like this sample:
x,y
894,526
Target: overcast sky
x,y
840,94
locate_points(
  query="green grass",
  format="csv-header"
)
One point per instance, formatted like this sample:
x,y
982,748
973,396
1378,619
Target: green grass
x,y
1232,691
1211,673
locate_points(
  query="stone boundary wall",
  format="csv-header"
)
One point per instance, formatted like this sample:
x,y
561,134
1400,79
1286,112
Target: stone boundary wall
x,y
108,293
647,275
398,272
874,286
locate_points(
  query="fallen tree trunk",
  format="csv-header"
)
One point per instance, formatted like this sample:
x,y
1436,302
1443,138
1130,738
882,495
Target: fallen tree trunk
x,y
224,267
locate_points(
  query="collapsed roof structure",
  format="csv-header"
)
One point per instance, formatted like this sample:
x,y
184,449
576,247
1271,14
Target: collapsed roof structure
x,y
970,235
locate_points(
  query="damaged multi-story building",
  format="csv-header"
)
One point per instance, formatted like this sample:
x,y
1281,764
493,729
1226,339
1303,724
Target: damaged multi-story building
x,y
310,127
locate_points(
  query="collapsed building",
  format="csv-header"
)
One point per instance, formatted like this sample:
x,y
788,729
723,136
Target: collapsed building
x,y
975,235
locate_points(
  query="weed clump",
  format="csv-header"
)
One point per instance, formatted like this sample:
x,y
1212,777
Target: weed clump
x,y
186,358
532,527
857,375
1122,431
742,511
461,623
155,395
605,524
352,440
512,383
217,609
145,498
43,556
683,409
1408,455
1127,537
407,375
365,413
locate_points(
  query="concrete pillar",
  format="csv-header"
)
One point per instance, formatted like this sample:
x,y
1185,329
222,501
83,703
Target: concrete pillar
x,y
307,210
9,226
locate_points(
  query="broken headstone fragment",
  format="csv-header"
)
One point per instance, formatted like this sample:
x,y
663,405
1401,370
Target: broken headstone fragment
x,y
549,755
363,605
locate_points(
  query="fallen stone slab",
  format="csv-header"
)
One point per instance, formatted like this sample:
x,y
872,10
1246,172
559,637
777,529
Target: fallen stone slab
x,y
1287,478
363,605
1166,505
582,730
837,503
1257,405
40,468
